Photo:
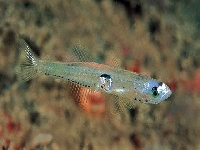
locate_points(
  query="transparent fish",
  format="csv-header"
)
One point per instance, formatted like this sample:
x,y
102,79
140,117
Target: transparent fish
x,y
94,76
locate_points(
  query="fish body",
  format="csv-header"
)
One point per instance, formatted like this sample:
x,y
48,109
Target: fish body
x,y
97,77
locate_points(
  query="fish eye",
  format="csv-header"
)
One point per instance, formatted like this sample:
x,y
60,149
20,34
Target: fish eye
x,y
154,92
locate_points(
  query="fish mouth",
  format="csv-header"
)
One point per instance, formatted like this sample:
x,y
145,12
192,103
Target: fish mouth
x,y
167,93
164,91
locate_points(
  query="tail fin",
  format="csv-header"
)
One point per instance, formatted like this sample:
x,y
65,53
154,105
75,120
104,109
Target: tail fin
x,y
27,65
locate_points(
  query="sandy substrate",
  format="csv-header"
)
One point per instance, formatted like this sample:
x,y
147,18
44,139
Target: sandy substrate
x,y
158,39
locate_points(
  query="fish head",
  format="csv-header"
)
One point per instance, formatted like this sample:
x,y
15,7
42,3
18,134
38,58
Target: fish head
x,y
157,91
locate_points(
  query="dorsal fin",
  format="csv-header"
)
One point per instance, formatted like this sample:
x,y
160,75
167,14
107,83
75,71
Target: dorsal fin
x,y
80,53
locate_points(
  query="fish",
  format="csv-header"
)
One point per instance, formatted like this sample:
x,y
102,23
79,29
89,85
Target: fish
x,y
94,76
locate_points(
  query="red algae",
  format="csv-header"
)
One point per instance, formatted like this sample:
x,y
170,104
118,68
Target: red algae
x,y
192,85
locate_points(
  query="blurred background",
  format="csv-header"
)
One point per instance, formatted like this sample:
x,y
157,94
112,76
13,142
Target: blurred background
x,y
158,38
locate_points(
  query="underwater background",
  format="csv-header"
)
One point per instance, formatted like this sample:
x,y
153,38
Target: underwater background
x,y
158,38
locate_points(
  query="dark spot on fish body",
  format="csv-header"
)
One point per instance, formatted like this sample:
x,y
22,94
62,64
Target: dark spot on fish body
x,y
53,75
102,86
105,82
106,76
